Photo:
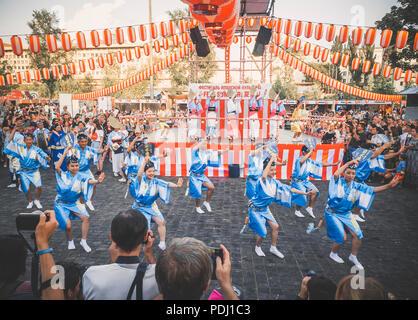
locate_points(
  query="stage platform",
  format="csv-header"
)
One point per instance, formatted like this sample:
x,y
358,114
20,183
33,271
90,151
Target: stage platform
x,y
178,135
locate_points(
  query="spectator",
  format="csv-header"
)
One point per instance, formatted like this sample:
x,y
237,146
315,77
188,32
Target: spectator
x,y
73,273
372,290
13,254
184,271
113,281
317,288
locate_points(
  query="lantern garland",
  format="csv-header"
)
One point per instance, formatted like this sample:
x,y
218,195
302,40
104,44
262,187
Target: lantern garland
x,y
323,54
145,74
321,77
127,53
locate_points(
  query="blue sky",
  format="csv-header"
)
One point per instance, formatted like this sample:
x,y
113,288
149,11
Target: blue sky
x,y
89,14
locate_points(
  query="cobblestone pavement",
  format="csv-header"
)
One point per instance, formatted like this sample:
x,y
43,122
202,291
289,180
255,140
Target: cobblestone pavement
x,y
389,251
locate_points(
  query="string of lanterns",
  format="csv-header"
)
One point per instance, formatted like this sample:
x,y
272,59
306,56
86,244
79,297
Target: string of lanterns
x,y
145,74
303,67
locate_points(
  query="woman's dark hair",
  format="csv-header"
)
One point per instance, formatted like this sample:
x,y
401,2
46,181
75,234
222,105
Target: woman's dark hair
x,y
13,255
128,229
73,274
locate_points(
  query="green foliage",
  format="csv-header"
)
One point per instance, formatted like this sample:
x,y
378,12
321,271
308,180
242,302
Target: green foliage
x,y
402,17
45,22
4,70
382,85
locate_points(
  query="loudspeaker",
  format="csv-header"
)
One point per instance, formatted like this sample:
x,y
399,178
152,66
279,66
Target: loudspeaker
x,y
264,35
263,39
202,48
411,112
195,35
234,170
258,49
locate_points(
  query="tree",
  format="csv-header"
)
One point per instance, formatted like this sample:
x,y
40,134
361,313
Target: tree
x,y
4,70
45,22
383,85
402,17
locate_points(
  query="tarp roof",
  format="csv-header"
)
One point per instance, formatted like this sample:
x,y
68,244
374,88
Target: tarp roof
x,y
256,7
410,91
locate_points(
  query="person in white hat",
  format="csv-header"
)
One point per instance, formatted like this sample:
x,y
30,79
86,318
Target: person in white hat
x,y
114,141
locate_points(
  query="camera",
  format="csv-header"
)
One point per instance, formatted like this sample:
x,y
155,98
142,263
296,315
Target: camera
x,y
215,252
28,221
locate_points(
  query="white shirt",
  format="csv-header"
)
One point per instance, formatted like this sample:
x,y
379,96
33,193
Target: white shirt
x,y
113,281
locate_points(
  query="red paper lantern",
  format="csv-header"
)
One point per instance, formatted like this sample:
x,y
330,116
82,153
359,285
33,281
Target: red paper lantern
x,y
176,40
55,72
307,49
319,31
119,57
287,42
82,66
34,44
387,71
92,65
325,55
416,42
128,54
163,29
101,61
385,38
330,35
157,46
182,26
401,39
154,31
370,37
72,68
397,74
171,28
336,57
66,41
343,37
308,30
297,45
109,59
120,38
137,51
279,25
287,27
45,74
345,60
2,82
185,37
95,39
251,22
9,79
81,40
132,34
366,66
51,41
355,63
107,36
27,77
408,75
64,69
357,36
146,50
298,28
37,75
376,69
19,78
317,52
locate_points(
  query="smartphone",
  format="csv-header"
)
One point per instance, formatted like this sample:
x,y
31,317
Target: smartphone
x,y
215,252
28,221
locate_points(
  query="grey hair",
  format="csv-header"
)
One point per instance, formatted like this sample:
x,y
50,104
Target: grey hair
x,y
184,269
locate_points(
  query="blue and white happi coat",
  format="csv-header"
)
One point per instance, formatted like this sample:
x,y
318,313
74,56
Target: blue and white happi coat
x,y
30,160
86,158
69,190
365,168
267,191
14,164
300,179
134,161
145,193
255,171
201,160
342,198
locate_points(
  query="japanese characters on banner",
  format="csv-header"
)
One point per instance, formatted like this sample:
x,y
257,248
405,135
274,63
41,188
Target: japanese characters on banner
x,y
179,160
202,90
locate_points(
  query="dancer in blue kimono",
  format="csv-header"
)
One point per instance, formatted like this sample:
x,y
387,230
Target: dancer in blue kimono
x,y
269,190
146,189
14,164
304,168
55,143
255,170
86,157
375,164
198,182
30,159
344,194
71,185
